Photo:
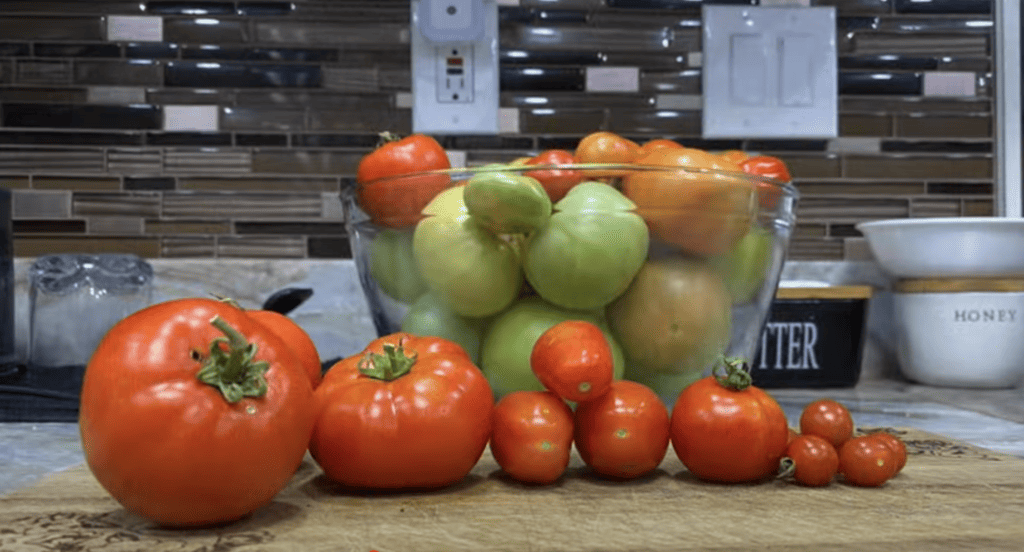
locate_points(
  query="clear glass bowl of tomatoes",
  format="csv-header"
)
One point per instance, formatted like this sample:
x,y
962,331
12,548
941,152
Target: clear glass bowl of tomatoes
x,y
676,260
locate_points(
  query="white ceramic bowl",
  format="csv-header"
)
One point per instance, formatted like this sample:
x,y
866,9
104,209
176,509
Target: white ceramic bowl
x,y
961,339
947,247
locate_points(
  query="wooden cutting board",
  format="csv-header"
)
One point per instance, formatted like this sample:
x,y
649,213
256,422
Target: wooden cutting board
x,y
950,496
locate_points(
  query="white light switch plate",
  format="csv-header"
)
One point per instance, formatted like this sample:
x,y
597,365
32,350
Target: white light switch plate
x,y
770,72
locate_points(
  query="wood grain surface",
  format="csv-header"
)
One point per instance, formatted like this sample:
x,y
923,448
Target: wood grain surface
x,y
950,497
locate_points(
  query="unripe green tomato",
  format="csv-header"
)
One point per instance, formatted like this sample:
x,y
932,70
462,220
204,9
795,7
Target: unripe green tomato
x,y
429,316
745,266
507,202
393,265
510,337
472,270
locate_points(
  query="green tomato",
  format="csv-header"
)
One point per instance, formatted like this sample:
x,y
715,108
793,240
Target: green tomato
x,y
745,266
472,270
675,317
393,265
430,316
590,250
507,203
508,343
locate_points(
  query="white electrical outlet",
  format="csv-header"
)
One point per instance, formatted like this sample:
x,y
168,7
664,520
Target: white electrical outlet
x,y
454,47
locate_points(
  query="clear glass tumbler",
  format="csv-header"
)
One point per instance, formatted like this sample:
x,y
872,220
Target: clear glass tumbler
x,y
74,299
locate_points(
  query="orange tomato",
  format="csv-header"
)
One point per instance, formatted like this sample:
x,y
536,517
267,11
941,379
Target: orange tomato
x,y
704,211
657,143
734,156
605,147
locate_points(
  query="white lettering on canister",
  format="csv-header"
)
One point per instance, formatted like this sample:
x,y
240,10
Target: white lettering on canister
x,y
985,315
797,339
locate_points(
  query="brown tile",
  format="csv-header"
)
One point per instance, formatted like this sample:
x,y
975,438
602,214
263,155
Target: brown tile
x,y
207,160
40,204
242,118
224,205
914,104
836,210
14,182
920,44
49,226
266,184
329,32
118,226
147,248
857,250
178,96
857,188
370,119
118,73
160,227
43,72
844,7
128,204
815,250
97,183
865,125
560,121
192,31
940,126
809,231
44,95
261,247
808,166
922,208
305,162
919,167
976,208
175,247
6,71
680,123
30,27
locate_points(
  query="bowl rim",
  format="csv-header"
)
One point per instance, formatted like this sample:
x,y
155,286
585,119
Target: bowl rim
x,y
968,221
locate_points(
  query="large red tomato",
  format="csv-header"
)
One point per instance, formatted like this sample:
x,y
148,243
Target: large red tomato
x,y
408,412
704,211
192,413
624,433
557,182
726,430
296,338
388,197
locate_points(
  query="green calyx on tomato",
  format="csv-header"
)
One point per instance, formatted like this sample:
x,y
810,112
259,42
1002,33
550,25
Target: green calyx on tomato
x,y
506,202
391,365
732,373
590,250
235,371
393,265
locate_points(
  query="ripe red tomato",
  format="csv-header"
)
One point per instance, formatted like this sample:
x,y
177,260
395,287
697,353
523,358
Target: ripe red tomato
x,y
381,190
828,419
815,461
192,413
574,360
899,448
656,143
407,412
531,437
295,338
725,429
624,433
605,147
866,461
557,182
767,166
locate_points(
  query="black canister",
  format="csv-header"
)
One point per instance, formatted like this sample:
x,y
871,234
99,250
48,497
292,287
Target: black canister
x,y
7,353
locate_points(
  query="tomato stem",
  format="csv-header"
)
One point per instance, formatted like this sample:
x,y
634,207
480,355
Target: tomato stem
x,y
233,370
787,468
391,365
386,137
732,373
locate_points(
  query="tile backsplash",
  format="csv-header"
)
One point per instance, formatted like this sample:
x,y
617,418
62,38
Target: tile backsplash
x,y
224,129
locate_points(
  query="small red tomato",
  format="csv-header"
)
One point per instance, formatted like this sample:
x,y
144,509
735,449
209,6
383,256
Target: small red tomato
x,y
899,448
828,419
624,433
815,460
574,360
866,462
557,182
383,189
531,438
767,166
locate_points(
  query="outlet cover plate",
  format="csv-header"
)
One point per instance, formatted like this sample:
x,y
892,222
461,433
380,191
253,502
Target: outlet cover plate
x,y
770,72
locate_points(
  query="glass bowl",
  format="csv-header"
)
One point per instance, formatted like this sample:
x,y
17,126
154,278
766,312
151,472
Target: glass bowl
x,y
678,266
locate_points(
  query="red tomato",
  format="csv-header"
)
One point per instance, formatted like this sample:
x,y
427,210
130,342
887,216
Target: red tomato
x,y
295,338
624,433
766,166
815,461
704,213
726,430
656,143
408,412
192,413
557,182
605,147
531,437
391,199
827,419
866,461
899,448
574,360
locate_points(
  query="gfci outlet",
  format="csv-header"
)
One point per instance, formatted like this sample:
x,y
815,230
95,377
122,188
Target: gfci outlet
x,y
454,46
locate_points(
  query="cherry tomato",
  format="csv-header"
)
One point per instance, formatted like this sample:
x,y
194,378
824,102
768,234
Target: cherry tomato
x,y
866,461
605,147
815,461
193,413
701,212
624,433
573,360
297,340
381,190
408,412
556,182
828,419
899,448
531,437
724,429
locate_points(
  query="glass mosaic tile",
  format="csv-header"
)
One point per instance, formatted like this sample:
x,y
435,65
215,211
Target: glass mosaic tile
x,y
329,247
151,183
49,138
151,50
81,116
260,54
943,6
145,204
188,139
175,7
198,74
76,184
205,30
265,9
33,27
118,73
77,50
